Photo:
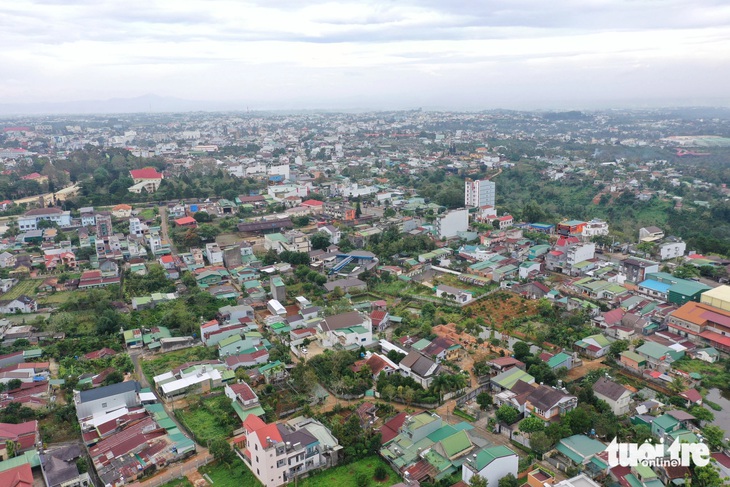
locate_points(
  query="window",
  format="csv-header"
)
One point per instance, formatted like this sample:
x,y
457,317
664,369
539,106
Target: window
x,y
103,405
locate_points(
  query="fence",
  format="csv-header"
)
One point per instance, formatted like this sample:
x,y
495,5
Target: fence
x,y
471,395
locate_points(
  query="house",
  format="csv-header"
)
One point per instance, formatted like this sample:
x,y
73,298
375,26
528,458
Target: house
x,y
579,449
147,179
377,363
593,346
461,296
31,218
346,285
24,435
194,378
692,397
651,234
244,400
122,211
278,453
7,260
615,395
507,379
17,476
663,425
549,403
106,399
491,464
659,356
352,329
186,222
21,304
560,360
333,233
60,469
632,360
420,368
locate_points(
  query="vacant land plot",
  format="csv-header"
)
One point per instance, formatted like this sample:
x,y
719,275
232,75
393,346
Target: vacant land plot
x,y
347,475
25,287
57,298
183,482
213,418
502,307
168,361
237,475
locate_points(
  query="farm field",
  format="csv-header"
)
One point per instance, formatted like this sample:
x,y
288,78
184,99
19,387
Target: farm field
x,y
25,287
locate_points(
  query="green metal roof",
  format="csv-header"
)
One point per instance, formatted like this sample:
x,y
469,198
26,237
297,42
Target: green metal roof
x,y
456,443
488,455
421,344
633,356
665,422
558,359
580,447
653,350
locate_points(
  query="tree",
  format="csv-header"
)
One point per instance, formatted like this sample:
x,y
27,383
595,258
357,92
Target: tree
x,y
521,350
677,385
221,450
478,481
507,414
358,210
381,473
540,442
14,384
615,349
484,400
714,436
320,241
702,414
202,216
531,425
707,476
578,420
508,480
114,378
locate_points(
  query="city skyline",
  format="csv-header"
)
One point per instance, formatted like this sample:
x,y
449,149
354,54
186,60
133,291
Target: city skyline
x,y
365,55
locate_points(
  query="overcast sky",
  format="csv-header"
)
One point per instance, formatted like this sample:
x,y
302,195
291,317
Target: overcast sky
x,y
462,54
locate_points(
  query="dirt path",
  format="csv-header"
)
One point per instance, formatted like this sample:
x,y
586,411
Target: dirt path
x,y
588,366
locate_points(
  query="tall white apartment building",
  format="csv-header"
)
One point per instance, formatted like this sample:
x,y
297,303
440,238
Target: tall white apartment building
x,y
479,193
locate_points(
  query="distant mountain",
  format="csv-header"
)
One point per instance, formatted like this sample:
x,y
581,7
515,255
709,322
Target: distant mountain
x,y
140,104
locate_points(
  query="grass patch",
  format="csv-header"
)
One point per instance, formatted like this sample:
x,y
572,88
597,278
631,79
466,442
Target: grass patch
x,y
183,482
25,287
463,415
345,475
170,360
147,214
237,475
56,298
713,405
209,419
713,375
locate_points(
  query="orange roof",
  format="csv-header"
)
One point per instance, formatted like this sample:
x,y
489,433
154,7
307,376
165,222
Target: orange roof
x,y
693,312
20,476
122,207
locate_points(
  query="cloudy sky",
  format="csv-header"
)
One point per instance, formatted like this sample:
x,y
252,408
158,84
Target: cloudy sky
x,y
463,54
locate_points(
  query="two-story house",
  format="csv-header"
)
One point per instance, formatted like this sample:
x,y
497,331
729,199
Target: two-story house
x,y
615,395
244,400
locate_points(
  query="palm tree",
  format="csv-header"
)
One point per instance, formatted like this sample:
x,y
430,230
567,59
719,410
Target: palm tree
x,y
677,385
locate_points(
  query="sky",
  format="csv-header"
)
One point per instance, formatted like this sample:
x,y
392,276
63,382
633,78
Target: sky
x,y
450,54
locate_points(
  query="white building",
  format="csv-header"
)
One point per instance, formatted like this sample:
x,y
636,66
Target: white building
x,y
491,464
451,223
280,170
615,395
279,453
580,253
595,227
479,193
30,220
104,400
136,227
346,329
214,254
671,248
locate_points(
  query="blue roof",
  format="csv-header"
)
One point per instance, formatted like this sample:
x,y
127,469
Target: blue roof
x,y
657,286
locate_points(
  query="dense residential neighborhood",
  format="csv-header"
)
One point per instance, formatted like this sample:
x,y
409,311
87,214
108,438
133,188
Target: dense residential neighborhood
x,y
396,298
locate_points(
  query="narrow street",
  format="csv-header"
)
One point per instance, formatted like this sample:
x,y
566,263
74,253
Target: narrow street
x,y
164,228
